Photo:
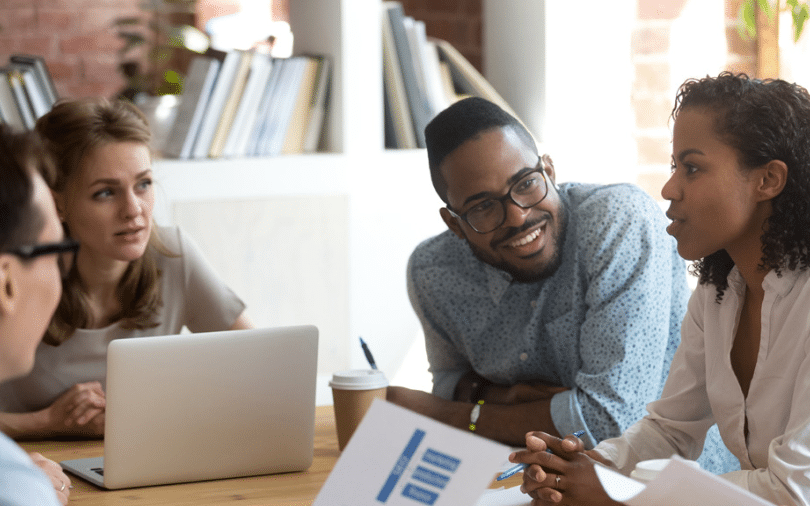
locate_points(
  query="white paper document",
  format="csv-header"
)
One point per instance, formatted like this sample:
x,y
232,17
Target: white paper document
x,y
399,458
678,484
504,497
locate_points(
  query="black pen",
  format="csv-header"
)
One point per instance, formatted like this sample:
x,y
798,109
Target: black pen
x,y
369,356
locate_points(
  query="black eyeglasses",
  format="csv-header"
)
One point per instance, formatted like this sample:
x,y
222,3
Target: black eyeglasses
x,y
66,249
490,214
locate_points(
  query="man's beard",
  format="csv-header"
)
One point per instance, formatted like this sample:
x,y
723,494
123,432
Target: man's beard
x,y
541,271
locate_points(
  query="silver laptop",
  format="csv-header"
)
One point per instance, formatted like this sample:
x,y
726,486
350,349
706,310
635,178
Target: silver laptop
x,y
205,406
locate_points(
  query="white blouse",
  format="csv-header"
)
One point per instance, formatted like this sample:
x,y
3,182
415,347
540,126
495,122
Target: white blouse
x,y
702,389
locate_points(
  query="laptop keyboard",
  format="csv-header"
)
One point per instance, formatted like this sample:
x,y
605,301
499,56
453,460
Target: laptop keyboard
x,y
99,470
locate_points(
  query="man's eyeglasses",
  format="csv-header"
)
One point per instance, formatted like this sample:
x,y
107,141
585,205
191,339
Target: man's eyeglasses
x,y
490,214
66,249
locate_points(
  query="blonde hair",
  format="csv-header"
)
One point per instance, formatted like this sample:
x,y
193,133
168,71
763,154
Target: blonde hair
x,y
70,130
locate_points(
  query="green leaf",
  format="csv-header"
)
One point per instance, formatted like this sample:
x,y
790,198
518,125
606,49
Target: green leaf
x,y
800,15
170,76
748,28
765,6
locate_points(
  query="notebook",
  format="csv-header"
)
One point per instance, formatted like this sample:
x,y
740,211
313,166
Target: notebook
x,y
205,406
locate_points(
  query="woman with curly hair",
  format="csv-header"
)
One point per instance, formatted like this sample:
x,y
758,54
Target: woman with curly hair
x,y
740,207
131,278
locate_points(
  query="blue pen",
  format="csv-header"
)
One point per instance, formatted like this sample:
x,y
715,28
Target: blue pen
x,y
368,354
520,467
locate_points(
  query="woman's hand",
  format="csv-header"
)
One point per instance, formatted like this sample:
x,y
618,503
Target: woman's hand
x,y
59,480
79,411
565,477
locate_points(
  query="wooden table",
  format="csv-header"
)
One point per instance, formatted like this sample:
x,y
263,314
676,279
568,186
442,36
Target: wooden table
x,y
290,489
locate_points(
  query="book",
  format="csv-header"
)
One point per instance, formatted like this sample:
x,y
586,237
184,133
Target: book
x,y
293,137
283,105
319,106
414,43
8,104
466,78
17,85
216,104
437,95
265,113
33,91
446,76
398,114
248,110
416,101
199,81
231,105
42,74
389,140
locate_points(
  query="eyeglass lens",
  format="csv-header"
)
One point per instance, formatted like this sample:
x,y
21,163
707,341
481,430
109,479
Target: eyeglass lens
x,y
490,214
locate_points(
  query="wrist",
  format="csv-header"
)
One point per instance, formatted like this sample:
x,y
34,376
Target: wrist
x,y
23,425
475,414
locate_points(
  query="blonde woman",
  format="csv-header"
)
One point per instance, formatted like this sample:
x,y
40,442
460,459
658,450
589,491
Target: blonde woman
x,y
130,278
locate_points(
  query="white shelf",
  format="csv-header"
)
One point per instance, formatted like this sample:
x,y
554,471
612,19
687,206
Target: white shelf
x,y
248,178
377,205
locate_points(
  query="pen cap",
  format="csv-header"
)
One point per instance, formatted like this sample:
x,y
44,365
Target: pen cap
x,y
359,379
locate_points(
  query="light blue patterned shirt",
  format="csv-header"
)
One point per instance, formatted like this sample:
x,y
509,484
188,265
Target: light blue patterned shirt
x,y
22,483
605,325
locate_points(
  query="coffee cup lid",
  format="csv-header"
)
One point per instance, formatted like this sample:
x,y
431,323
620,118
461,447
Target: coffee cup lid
x,y
358,379
648,469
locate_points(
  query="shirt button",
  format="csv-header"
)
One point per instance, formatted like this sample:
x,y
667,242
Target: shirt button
x,y
534,303
524,356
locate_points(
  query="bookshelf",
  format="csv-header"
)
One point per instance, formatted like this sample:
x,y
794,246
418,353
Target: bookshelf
x,y
319,238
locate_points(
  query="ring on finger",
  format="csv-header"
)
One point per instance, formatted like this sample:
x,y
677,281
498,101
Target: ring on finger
x,y
63,487
557,482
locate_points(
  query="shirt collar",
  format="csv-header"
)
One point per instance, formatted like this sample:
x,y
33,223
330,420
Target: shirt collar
x,y
781,284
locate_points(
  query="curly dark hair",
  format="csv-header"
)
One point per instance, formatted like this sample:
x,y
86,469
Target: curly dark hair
x,y
763,120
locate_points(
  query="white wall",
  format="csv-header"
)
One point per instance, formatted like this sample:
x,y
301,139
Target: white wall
x,y
571,63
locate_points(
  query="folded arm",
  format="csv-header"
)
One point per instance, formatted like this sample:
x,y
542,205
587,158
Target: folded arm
x,y
77,412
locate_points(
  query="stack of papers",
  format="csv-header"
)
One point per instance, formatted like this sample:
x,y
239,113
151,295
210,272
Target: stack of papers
x,y
678,484
399,458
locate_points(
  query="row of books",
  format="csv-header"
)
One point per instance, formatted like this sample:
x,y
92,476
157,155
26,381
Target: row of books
x,y
422,76
26,91
246,103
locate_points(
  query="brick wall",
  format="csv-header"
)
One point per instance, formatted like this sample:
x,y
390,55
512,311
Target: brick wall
x,y
80,45
456,21
76,37
653,93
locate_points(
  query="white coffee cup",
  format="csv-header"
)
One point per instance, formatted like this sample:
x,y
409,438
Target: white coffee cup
x,y
647,470
353,392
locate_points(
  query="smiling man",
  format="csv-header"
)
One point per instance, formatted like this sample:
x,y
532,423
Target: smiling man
x,y
544,307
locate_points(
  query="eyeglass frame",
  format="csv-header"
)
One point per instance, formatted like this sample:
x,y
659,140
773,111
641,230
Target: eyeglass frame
x,y
32,251
539,168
